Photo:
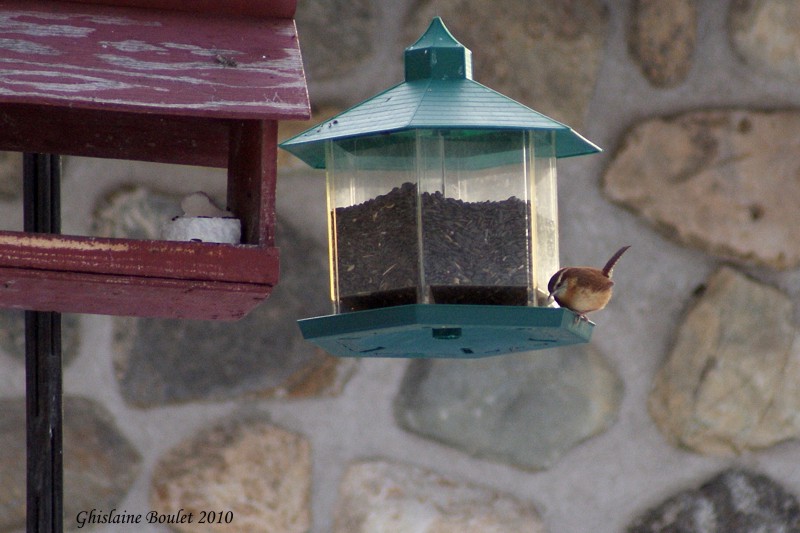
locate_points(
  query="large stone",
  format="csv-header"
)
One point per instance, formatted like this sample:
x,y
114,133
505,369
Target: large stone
x,y
352,58
161,361
100,465
526,409
725,181
764,34
378,496
12,335
544,54
255,475
135,212
337,48
730,382
662,39
734,501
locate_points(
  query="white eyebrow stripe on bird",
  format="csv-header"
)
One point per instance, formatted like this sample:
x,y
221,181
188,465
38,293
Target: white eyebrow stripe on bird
x,y
556,281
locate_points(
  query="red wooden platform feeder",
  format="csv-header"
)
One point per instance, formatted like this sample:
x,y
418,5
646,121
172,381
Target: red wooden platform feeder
x,y
195,83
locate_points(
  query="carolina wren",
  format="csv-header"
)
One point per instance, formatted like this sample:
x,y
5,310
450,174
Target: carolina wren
x,y
584,289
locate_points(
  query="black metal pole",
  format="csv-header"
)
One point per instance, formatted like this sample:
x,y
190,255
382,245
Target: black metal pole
x,y
45,487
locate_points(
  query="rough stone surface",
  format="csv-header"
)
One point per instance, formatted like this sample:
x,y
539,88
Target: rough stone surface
x,y
734,501
526,409
764,34
730,382
135,212
356,22
100,465
725,181
258,472
161,361
662,39
10,175
378,496
12,335
544,54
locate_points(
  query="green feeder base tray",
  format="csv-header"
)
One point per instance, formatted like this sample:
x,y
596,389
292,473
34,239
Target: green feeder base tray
x,y
448,331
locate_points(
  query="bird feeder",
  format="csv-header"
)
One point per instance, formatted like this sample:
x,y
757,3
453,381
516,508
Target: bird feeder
x,y
442,216
195,83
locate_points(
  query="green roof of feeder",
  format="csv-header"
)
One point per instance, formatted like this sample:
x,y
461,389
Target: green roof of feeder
x,y
438,93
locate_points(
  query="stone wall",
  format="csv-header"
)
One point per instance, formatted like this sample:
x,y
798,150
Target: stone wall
x,y
682,414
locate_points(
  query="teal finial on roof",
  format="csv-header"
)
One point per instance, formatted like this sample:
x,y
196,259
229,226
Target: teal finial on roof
x,y
437,55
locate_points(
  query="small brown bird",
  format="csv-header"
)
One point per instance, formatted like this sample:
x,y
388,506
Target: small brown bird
x,y
584,289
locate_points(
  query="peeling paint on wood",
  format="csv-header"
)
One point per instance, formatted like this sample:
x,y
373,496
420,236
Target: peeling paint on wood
x,y
58,243
245,8
156,259
130,59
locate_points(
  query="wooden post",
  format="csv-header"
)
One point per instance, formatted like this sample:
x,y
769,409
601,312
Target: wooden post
x,y
252,170
43,379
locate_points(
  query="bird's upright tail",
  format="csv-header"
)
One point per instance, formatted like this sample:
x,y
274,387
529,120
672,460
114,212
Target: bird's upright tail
x,y
613,261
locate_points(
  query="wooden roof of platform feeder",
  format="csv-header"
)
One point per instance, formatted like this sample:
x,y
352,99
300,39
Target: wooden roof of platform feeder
x,y
159,60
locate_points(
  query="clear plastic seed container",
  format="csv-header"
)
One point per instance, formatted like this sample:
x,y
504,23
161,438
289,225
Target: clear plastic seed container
x,y
436,216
